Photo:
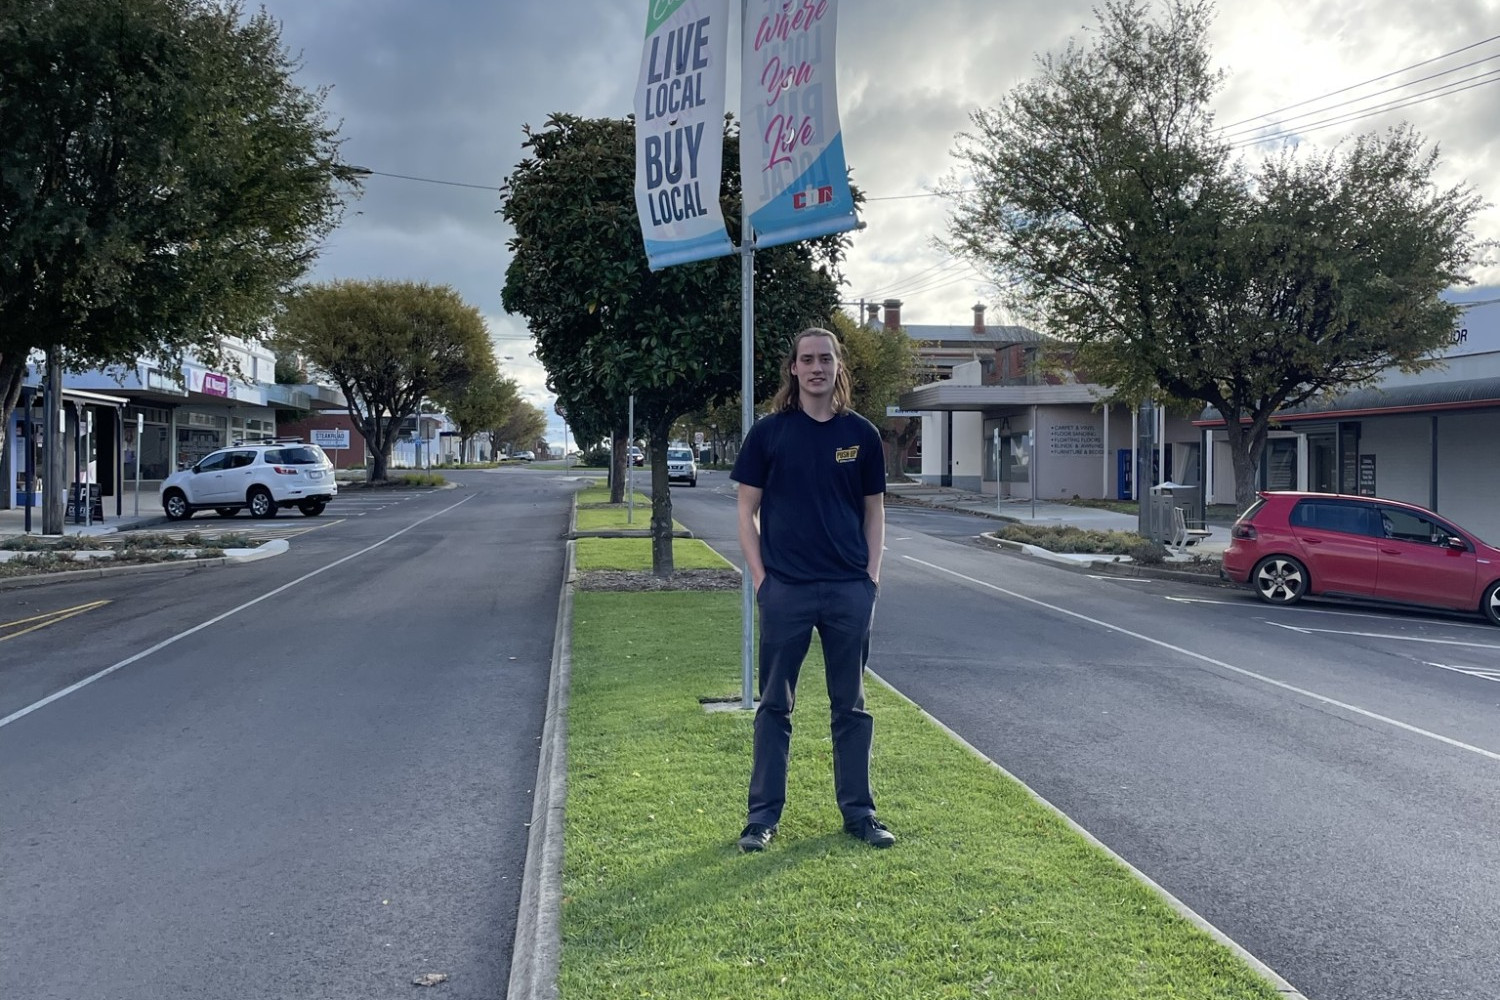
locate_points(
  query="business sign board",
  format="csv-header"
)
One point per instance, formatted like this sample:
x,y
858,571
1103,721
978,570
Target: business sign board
x,y
330,438
679,131
792,169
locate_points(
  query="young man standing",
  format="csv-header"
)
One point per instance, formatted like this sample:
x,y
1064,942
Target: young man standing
x,y
811,481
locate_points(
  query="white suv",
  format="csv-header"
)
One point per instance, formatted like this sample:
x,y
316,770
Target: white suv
x,y
258,477
680,465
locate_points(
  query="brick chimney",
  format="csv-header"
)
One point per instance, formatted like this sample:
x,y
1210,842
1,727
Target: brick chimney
x,y
892,313
979,318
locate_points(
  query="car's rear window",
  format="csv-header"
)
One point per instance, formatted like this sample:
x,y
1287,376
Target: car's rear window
x,y
302,454
1253,509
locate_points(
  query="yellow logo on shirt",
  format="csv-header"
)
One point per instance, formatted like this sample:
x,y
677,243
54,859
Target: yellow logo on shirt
x,y
846,454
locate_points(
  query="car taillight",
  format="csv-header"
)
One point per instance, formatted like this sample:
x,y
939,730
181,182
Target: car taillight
x,y
284,470
1243,529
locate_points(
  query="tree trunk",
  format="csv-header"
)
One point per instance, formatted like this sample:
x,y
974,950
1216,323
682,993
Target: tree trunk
x,y
619,454
661,502
1245,447
12,371
379,443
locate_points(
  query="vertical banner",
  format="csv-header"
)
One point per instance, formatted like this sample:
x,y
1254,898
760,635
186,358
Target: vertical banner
x,y
679,131
791,150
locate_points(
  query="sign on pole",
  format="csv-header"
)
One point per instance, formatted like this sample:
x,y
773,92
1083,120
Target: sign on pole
x,y
331,438
679,131
792,167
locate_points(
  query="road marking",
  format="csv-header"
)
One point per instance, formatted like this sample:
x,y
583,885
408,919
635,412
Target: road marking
x,y
1119,579
1384,635
50,618
1324,699
1487,674
1204,600
22,713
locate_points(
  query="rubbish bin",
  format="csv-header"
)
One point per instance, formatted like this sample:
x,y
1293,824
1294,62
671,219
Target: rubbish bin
x,y
1163,500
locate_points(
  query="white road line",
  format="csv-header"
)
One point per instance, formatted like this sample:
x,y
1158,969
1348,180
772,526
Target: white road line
x,y
1204,600
1324,699
1384,635
22,713
1482,672
1120,579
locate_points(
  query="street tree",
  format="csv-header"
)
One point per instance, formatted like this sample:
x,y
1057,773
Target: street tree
x,y
387,345
163,181
522,429
602,318
484,402
882,365
1101,195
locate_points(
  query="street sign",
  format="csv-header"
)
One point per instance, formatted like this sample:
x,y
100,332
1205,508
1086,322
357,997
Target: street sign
x,y
330,438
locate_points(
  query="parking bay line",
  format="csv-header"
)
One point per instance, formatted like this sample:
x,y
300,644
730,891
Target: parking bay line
x,y
1484,673
50,618
85,682
1323,699
1385,635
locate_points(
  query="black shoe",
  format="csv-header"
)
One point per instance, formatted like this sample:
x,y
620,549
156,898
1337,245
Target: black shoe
x,y
756,837
871,831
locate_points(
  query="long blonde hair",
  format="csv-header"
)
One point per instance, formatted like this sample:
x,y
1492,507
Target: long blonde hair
x,y
789,396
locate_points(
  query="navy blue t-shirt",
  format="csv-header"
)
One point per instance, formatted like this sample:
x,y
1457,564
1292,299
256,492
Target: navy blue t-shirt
x,y
814,477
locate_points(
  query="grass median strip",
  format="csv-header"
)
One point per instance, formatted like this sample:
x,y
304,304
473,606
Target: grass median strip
x,y
635,554
987,893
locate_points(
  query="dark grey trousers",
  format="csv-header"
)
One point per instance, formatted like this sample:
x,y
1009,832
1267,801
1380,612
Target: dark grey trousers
x,y
841,612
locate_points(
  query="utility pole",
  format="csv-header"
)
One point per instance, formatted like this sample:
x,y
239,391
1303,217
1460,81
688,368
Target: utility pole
x,y
54,479
1145,454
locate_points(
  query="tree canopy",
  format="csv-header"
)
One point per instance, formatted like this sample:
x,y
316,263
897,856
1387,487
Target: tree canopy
x,y
484,402
387,345
607,327
1103,197
522,428
163,180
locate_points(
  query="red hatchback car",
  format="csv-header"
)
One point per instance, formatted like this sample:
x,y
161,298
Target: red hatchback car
x,y
1292,545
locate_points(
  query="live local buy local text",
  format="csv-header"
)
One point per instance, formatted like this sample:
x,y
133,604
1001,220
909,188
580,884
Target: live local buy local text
x,y
675,84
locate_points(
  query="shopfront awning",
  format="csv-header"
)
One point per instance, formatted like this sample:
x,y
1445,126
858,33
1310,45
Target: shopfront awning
x,y
1467,394
948,396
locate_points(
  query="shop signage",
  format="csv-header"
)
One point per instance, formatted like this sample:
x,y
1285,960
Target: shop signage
x,y
215,384
1367,475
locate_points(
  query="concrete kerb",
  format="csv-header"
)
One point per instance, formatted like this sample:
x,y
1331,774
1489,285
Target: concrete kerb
x,y
274,547
537,951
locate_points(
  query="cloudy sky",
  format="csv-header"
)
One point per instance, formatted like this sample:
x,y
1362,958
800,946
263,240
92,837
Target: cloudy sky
x,y
440,90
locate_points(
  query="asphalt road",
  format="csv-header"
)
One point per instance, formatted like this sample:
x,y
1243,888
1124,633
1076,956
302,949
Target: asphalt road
x,y
1320,782
309,776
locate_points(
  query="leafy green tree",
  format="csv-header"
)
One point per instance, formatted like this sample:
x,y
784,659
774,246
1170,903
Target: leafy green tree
x,y
163,180
1104,199
521,429
387,345
483,402
882,365
602,319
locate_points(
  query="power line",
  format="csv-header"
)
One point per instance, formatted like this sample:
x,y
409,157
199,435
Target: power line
x,y
1447,91
1240,133
1355,86
428,180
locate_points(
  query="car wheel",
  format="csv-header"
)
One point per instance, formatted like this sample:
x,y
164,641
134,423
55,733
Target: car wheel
x,y
176,506
1491,603
261,503
312,509
1280,580
226,511
693,481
